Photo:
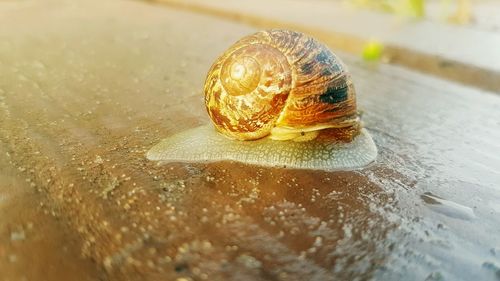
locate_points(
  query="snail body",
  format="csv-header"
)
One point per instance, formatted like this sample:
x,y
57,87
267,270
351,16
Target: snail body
x,y
277,98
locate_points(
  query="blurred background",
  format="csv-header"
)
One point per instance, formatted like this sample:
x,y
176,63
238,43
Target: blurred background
x,y
452,39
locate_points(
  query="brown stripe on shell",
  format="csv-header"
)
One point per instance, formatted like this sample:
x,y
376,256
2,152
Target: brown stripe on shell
x,y
317,72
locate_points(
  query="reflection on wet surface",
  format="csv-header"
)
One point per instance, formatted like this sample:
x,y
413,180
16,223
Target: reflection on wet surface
x,y
438,139
305,224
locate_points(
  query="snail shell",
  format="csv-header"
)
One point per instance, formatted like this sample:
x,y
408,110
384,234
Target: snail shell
x,y
279,83
276,85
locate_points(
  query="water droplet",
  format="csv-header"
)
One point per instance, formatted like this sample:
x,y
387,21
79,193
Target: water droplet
x,y
17,236
447,207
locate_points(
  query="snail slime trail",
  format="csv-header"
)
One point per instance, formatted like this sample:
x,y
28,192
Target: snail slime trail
x,y
276,98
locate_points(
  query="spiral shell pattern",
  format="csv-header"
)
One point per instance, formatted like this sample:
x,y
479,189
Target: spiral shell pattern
x,y
278,78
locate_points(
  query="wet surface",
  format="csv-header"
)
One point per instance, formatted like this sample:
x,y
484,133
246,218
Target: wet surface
x,y
79,112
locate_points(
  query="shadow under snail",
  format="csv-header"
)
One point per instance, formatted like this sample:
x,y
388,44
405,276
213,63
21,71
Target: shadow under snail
x,y
276,98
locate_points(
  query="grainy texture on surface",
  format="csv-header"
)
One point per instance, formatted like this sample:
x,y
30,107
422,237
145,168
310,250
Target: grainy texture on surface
x,y
86,88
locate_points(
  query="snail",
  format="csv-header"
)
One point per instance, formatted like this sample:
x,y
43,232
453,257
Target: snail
x,y
276,98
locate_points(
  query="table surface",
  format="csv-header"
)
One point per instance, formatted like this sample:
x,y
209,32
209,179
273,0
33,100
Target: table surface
x,y
87,88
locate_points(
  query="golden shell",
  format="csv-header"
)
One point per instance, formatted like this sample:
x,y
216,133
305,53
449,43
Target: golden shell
x,y
280,83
